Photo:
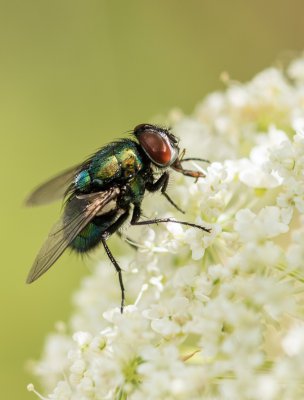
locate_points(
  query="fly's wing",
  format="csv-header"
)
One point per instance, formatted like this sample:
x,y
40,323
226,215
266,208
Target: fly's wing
x,y
53,189
79,211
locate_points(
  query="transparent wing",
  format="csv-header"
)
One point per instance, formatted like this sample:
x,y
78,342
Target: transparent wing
x,y
53,189
79,211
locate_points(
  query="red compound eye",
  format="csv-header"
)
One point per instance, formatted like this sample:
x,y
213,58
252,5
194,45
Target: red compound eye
x,y
156,146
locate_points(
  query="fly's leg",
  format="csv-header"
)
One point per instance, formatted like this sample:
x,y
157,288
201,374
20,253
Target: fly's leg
x,y
128,240
137,213
160,220
177,166
182,158
112,229
195,159
118,270
162,183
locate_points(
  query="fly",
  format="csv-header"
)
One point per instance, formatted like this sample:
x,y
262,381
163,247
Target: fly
x,y
104,190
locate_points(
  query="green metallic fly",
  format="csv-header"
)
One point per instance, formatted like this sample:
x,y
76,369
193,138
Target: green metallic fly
x,y
101,191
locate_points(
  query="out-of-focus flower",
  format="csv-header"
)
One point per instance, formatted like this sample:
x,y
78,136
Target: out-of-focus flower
x,y
213,316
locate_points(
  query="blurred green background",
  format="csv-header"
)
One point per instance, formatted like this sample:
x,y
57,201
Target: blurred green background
x,y
76,74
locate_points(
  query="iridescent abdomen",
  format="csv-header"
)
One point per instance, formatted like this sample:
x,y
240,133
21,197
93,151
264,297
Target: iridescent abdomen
x,y
91,235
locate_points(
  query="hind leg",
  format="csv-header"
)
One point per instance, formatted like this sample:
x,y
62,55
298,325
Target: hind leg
x,y
112,229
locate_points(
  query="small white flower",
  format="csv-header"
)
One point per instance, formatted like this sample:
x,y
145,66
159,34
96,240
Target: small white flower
x,y
269,223
214,315
293,342
62,391
168,318
83,339
267,388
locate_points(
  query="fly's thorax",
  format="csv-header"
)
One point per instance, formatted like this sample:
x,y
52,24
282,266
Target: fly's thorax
x,y
130,161
83,180
105,169
118,162
133,192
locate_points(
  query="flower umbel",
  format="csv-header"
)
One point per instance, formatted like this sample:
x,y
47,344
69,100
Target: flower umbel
x,y
212,316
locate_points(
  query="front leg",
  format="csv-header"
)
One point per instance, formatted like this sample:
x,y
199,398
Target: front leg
x,y
162,183
177,166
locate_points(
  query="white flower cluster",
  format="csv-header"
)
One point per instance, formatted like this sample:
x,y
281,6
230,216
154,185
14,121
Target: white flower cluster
x,y
211,316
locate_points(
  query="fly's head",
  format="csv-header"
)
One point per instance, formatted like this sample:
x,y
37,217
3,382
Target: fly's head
x,y
159,144
162,148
